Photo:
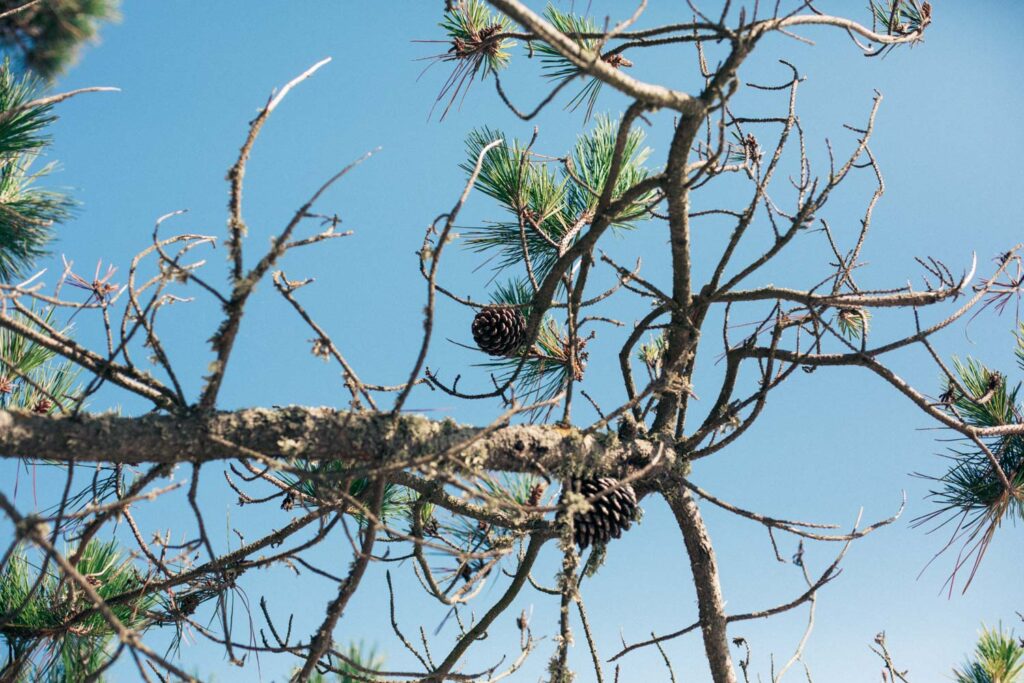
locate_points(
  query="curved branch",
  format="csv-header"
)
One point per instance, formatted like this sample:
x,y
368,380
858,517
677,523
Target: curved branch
x,y
590,61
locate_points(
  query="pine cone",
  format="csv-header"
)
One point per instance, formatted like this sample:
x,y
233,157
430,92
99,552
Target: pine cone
x,y
609,516
499,330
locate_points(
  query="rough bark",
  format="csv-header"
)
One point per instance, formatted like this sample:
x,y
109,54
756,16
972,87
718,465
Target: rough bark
x,y
711,606
309,433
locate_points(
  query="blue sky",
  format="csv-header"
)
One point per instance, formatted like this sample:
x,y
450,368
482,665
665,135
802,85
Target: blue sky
x,y
948,140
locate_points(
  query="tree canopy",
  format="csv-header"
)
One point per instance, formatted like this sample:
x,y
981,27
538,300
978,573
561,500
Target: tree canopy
x,y
120,549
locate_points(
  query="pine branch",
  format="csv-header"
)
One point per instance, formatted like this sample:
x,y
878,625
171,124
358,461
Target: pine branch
x,y
320,434
27,213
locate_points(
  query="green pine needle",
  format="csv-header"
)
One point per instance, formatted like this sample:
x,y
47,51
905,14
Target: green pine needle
x,y
471,27
46,38
651,354
998,658
592,161
517,292
512,488
27,213
21,130
68,656
557,68
50,377
355,667
1019,351
550,212
546,368
527,190
19,351
320,480
469,23
853,322
544,206
971,495
898,17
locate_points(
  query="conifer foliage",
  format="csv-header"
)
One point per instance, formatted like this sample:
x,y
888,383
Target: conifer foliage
x,y
543,204
28,213
972,496
998,658
45,37
35,603
476,516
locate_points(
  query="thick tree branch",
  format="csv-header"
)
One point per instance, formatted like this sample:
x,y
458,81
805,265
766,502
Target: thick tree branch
x,y
710,604
310,433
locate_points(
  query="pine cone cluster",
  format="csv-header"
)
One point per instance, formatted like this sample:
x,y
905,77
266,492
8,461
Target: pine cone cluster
x,y
608,517
499,330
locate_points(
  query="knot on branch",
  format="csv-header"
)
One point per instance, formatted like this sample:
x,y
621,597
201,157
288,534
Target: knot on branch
x,y
616,60
675,385
629,429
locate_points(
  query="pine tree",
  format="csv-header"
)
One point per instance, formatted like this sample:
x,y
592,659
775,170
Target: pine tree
x,y
465,506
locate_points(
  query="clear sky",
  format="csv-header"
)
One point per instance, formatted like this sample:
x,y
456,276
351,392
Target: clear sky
x,y
948,138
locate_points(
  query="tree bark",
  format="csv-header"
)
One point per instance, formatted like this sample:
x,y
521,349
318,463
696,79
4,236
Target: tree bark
x,y
711,606
310,433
